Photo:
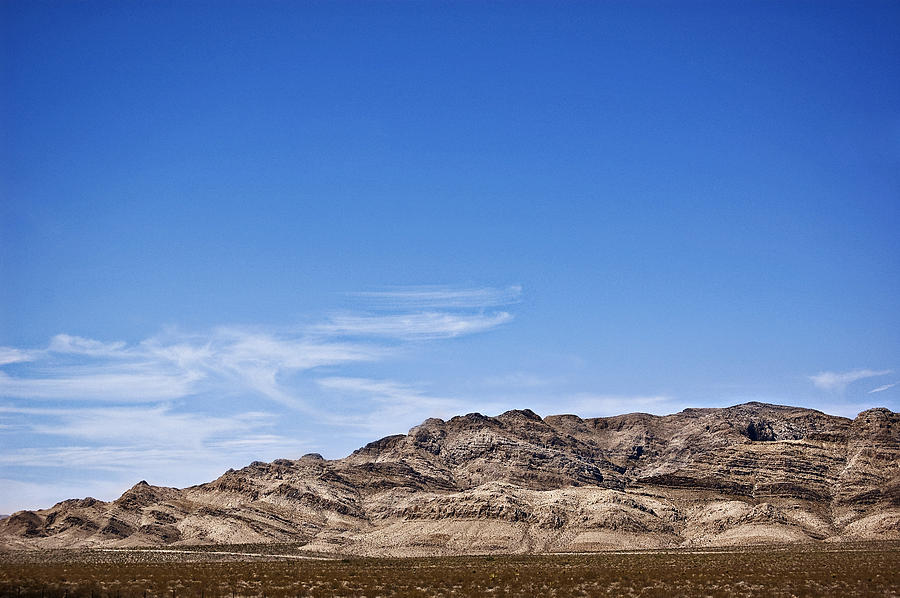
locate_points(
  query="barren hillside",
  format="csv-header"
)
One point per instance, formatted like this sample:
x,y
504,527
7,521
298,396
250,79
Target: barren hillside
x,y
519,483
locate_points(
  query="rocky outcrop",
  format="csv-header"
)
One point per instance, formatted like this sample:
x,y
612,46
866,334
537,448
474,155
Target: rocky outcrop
x,y
521,483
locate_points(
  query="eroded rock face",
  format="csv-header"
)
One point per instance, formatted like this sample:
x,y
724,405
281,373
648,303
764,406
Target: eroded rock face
x,y
521,483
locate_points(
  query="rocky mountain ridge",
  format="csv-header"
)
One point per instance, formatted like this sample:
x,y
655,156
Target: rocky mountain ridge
x,y
521,483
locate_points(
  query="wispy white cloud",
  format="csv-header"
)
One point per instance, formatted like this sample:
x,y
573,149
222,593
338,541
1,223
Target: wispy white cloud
x,y
172,366
257,362
124,386
432,297
838,381
424,312
419,326
883,387
235,347
140,425
154,460
64,343
13,355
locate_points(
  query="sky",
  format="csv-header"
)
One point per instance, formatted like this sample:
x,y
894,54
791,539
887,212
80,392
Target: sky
x,y
237,231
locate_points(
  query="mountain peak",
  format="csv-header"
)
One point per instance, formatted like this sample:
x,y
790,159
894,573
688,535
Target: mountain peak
x,y
527,414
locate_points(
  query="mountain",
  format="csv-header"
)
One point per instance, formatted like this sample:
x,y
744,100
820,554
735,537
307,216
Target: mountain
x,y
518,483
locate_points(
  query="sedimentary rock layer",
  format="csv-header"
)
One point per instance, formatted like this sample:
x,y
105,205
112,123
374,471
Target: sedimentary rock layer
x,y
520,483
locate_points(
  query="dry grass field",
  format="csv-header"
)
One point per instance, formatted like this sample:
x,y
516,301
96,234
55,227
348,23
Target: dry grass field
x,y
870,569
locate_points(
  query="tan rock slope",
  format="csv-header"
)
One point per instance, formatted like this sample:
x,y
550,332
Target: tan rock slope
x,y
518,483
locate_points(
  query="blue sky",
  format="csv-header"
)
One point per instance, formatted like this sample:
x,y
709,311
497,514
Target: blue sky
x,y
250,230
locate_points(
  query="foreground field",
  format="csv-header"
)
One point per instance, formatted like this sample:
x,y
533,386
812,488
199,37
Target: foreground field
x,y
870,569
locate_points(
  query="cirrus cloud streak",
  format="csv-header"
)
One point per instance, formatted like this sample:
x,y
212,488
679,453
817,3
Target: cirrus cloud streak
x,y
838,381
